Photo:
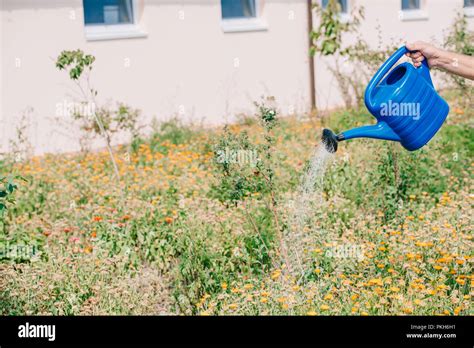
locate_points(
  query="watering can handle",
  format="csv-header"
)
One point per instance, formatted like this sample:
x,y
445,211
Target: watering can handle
x,y
385,68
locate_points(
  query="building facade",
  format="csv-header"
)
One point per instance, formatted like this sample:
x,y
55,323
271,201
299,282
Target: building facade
x,y
204,61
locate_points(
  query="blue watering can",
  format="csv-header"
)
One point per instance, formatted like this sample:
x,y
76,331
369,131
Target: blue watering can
x,y
407,107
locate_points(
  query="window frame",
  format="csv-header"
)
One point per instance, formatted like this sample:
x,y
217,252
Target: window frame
x,y
468,10
96,32
347,6
413,14
411,9
233,25
344,17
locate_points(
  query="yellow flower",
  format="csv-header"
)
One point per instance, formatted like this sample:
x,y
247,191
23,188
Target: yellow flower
x,y
394,289
311,313
233,306
376,281
248,286
324,307
224,286
275,274
418,302
410,256
264,300
328,297
354,297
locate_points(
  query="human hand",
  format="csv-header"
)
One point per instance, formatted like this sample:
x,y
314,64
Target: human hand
x,y
420,50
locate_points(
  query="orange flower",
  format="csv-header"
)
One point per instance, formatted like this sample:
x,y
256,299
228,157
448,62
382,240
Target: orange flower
x,y
168,220
46,233
88,249
126,217
97,218
93,234
67,229
458,111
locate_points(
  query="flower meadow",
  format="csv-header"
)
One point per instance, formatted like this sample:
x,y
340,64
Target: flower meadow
x,y
195,227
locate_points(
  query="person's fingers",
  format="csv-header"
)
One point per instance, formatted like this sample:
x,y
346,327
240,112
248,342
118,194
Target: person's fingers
x,y
418,59
416,46
416,55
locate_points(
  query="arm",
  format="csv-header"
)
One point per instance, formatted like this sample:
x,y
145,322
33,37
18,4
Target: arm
x,y
451,62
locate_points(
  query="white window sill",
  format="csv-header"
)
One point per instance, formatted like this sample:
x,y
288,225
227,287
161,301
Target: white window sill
x,y
113,32
469,11
344,17
413,15
243,24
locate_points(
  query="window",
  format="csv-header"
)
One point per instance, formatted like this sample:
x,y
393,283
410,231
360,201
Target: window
x,y
108,12
241,15
238,8
410,5
342,4
469,8
411,10
111,19
344,14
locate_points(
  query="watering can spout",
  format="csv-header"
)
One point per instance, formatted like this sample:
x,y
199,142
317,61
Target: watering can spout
x,y
381,130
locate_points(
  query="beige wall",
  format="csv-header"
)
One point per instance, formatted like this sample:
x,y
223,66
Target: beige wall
x,y
183,67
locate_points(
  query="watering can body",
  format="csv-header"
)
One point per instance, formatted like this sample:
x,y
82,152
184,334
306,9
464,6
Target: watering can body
x,y
407,107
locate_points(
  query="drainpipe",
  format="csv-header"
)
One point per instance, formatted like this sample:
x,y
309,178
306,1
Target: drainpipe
x,y
312,82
